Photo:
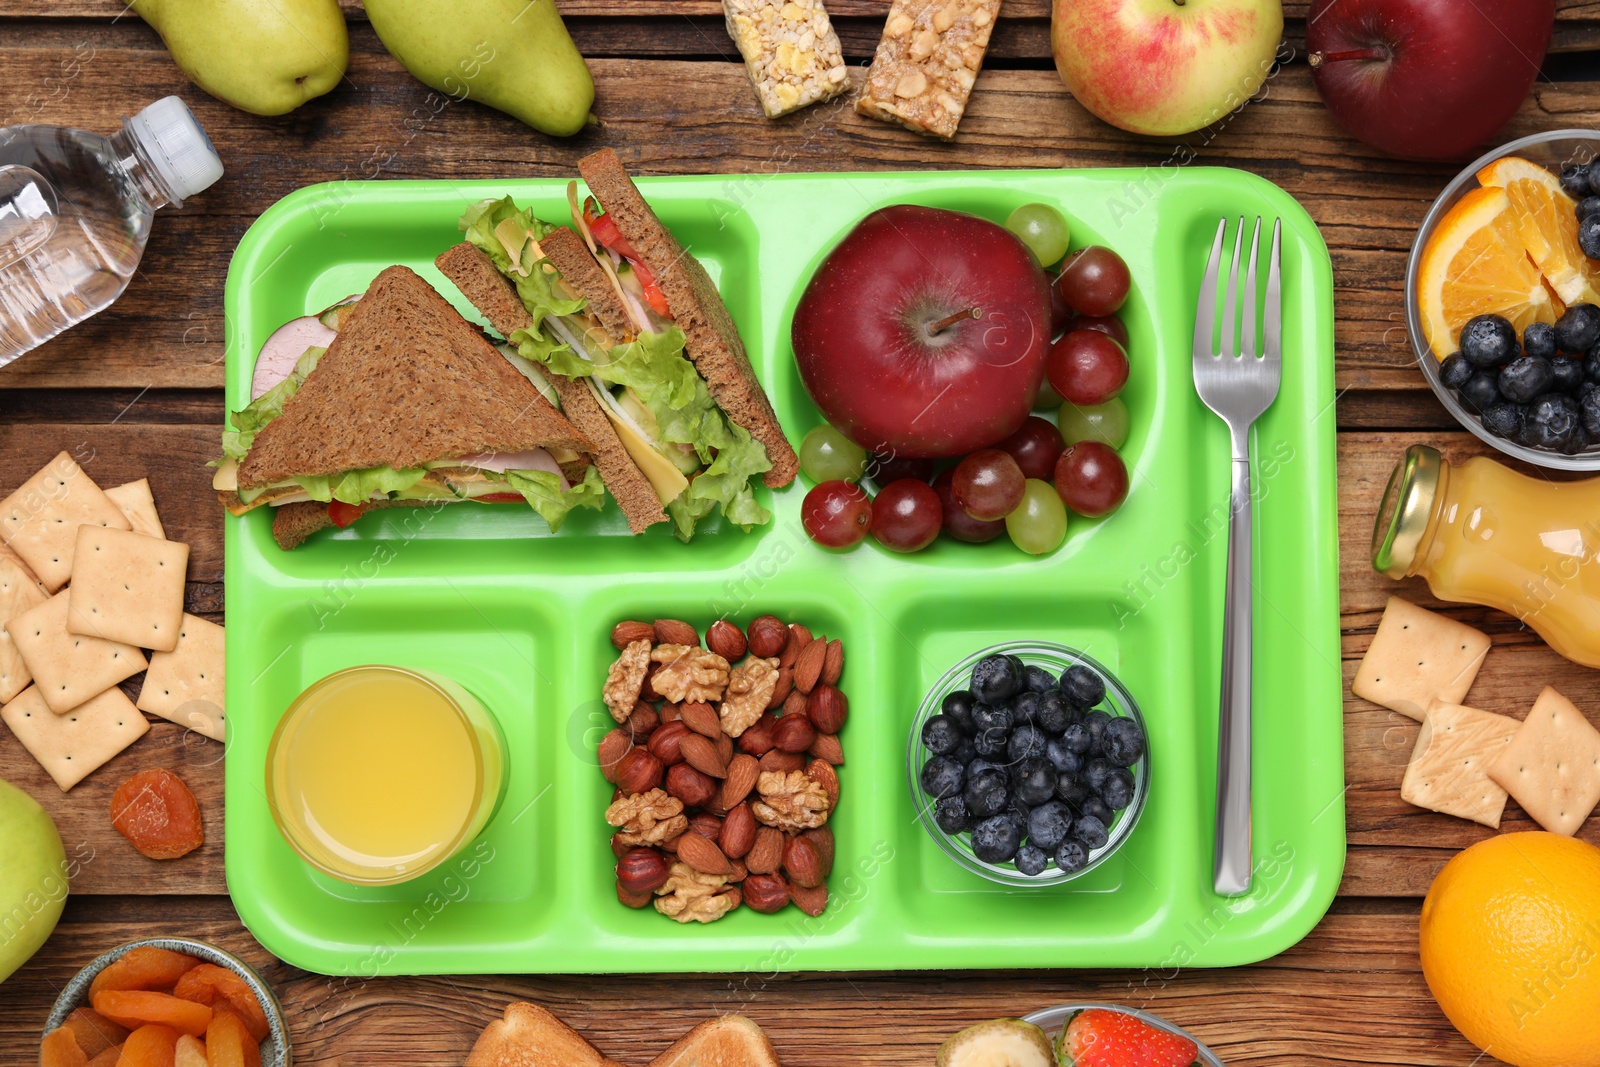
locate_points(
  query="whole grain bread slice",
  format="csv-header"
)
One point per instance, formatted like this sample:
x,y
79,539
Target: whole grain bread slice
x,y
529,1036
576,264
713,339
407,381
493,294
728,1041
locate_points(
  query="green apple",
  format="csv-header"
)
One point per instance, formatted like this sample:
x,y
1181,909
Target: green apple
x,y
33,877
263,56
1164,67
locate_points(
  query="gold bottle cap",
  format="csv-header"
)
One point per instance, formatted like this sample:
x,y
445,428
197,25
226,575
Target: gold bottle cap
x,y
1403,515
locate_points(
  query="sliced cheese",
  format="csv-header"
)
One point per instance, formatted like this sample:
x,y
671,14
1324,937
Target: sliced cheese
x,y
227,477
667,480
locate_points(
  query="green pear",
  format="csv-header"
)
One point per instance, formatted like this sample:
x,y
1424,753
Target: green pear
x,y
263,56
514,55
33,877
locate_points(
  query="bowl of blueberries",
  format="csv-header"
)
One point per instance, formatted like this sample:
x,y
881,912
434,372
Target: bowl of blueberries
x,y
1535,396
1029,763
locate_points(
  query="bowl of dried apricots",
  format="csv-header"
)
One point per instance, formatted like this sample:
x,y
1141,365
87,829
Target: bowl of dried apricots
x,y
166,1000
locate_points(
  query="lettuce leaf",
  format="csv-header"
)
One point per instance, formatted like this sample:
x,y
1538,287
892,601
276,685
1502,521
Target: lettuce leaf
x,y
542,490
266,407
534,285
359,486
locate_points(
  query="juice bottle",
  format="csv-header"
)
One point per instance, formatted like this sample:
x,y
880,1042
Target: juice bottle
x,y
1481,533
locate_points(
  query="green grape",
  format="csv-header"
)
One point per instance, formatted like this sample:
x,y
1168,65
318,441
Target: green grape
x,y
1038,524
826,455
1042,229
1106,423
1048,397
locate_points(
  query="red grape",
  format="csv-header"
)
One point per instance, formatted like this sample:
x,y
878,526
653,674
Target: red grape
x,y
906,515
987,484
1091,478
1093,281
958,523
884,469
1109,325
1035,447
836,514
1060,314
1086,367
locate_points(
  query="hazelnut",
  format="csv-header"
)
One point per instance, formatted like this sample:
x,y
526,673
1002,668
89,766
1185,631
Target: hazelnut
x,y
675,632
642,723
767,636
668,712
779,760
666,742
794,733
634,900
802,863
822,840
766,893
613,747
624,634
618,848
639,772
642,870
726,640
738,832
827,709
757,739
689,785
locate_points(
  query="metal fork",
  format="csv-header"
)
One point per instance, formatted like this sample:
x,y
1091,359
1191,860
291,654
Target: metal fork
x,y
1237,385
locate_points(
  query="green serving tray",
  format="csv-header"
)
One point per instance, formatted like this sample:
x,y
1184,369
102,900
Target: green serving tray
x,y
485,594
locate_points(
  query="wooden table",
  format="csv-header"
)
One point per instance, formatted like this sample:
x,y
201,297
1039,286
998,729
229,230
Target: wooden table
x,y
140,388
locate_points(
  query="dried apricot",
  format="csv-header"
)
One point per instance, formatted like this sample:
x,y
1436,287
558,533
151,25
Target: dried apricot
x,y
145,967
228,1043
108,1058
149,1046
218,987
95,1033
60,1049
138,1007
156,811
191,1052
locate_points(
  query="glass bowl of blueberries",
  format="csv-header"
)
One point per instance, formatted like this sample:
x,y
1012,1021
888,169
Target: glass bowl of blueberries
x,y
1535,396
1028,763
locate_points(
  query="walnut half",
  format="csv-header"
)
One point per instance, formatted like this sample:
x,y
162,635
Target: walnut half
x,y
750,687
690,896
688,674
652,818
790,801
626,679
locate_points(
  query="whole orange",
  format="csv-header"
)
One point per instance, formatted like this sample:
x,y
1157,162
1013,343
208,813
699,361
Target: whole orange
x,y
1511,948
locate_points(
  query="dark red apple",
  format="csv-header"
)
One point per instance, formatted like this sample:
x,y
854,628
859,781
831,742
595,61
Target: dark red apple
x,y
1426,79
923,333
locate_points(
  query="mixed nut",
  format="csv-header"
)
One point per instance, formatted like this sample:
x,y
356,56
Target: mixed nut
x,y
724,760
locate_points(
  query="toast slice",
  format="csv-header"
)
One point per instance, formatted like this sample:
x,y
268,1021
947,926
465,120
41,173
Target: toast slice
x,y
529,1036
697,307
493,294
729,1041
407,381
572,258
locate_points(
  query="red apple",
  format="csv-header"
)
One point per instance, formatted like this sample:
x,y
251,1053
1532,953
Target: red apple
x,y
1426,79
923,333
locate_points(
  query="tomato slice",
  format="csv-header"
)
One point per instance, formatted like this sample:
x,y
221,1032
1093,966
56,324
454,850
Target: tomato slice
x,y
499,498
605,231
342,514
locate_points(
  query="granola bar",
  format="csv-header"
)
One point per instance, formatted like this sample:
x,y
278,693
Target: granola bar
x,y
790,51
925,65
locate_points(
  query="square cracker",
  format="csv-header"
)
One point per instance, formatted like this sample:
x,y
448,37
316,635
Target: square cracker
x,y
135,500
20,591
1449,768
69,668
186,684
1552,766
40,520
71,746
1419,656
127,587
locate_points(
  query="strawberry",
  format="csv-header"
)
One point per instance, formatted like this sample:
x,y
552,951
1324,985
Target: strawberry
x,y
1097,1037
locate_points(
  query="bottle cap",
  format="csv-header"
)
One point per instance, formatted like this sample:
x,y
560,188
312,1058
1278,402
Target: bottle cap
x,y
1407,506
177,148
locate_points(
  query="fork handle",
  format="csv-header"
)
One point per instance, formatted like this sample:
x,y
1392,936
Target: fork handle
x,y
1232,867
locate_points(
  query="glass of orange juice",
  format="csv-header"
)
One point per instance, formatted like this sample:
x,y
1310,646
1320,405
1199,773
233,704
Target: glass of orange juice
x,y
378,774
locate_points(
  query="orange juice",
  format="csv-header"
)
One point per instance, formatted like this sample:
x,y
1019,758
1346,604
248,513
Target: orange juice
x,y
378,774
1481,533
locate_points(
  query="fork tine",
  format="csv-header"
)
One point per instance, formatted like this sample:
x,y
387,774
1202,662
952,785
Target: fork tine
x,y
1206,311
1274,310
1230,300
1247,328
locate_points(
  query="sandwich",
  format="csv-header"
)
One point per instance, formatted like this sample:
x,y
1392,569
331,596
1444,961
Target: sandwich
x,y
529,1036
637,343
407,404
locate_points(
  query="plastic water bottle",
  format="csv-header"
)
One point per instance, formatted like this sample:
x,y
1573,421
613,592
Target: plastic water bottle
x,y
75,211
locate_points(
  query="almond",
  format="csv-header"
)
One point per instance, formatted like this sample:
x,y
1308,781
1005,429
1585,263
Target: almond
x,y
802,863
702,719
743,772
676,632
767,636
724,745
779,760
808,665
726,640
740,872
781,691
642,723
668,712
826,747
703,855
613,746
813,901
699,753
766,855
795,703
738,835
624,634
799,637
824,775
822,838
833,662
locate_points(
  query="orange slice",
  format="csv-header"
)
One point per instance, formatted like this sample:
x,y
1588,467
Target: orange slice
x,y
1547,223
1474,264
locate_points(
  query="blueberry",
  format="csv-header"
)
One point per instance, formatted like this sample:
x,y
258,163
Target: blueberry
x,y
1049,824
1566,373
1090,831
1096,722
1054,714
1097,808
941,735
1552,418
1094,775
952,816
1117,791
996,678
1589,205
1072,856
1066,761
1575,181
1591,364
981,764
965,752
958,707
1578,442
987,793
1026,741
1578,328
1037,679
1082,687
1539,339
995,840
1124,742
1071,790
1590,410
1589,236
1488,341
1505,420
1481,390
991,717
991,744
1076,737
1525,378
1018,813
1455,370
1036,782
942,777
1025,708
1032,860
